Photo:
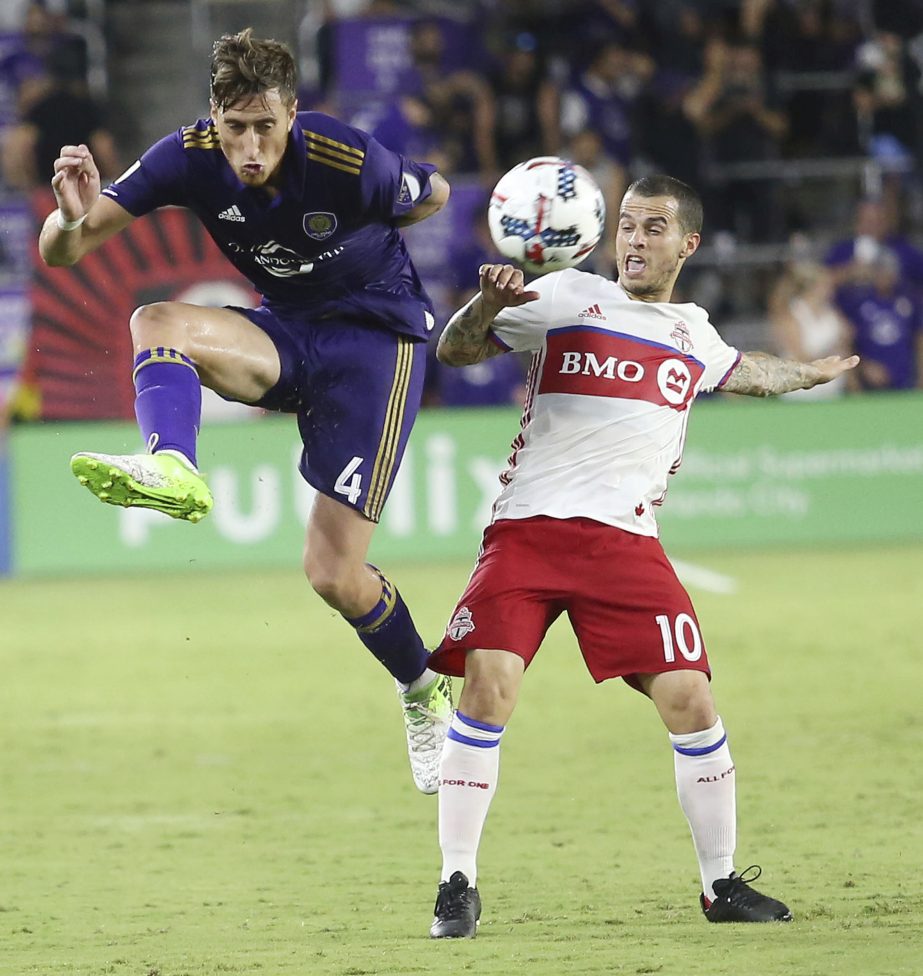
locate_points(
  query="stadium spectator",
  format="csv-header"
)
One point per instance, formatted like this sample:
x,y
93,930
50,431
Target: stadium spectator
x,y
874,227
586,148
45,40
887,322
603,97
882,94
813,42
308,209
807,324
573,529
668,139
408,126
527,103
494,382
460,101
63,114
736,112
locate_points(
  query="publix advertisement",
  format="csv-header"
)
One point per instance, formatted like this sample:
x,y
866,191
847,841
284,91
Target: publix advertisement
x,y
754,473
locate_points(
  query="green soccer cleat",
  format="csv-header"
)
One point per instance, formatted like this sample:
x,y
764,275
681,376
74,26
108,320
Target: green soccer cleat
x,y
427,717
158,481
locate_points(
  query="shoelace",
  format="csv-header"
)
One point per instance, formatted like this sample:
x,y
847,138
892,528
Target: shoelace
x,y
452,902
739,889
420,725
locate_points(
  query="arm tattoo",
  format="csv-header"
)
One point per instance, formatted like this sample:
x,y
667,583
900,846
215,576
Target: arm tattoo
x,y
464,340
760,374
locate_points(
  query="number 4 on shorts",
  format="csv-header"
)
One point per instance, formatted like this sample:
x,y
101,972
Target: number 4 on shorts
x,y
349,483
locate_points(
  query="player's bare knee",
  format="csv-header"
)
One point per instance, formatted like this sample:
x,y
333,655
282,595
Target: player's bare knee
x,y
683,699
492,681
335,586
158,324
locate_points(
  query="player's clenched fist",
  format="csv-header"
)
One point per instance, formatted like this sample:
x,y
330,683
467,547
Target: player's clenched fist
x,y
75,182
503,286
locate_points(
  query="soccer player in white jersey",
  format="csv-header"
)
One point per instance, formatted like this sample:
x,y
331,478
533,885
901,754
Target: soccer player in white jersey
x,y
616,366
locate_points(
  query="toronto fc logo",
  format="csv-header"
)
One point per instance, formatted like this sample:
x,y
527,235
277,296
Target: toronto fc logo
x,y
681,334
462,623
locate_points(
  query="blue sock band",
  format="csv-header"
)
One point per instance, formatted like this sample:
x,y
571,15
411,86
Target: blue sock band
x,y
471,732
388,631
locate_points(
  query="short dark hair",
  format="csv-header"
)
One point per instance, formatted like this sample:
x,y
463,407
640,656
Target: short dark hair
x,y
243,66
689,211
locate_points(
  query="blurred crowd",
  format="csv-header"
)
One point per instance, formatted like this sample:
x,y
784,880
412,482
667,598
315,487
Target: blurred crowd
x,y
799,121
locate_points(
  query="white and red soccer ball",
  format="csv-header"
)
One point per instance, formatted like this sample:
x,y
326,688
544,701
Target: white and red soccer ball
x,y
546,214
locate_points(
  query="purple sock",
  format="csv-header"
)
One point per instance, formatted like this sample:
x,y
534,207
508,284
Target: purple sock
x,y
388,631
168,404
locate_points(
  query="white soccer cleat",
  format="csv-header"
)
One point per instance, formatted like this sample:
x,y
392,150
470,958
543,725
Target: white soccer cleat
x,y
427,717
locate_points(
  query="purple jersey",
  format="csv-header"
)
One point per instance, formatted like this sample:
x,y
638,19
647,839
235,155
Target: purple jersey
x,y
326,244
886,330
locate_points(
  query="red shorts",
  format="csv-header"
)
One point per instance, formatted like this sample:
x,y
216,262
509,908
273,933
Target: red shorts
x,y
630,613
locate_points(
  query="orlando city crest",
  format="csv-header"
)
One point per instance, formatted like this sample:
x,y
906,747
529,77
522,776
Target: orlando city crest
x,y
319,226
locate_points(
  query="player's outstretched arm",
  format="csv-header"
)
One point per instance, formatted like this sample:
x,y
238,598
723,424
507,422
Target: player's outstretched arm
x,y
83,218
760,374
464,340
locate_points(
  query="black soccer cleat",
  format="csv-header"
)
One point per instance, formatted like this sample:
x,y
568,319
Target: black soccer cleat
x,y
736,901
458,910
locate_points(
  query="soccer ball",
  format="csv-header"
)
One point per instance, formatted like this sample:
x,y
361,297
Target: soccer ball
x,y
546,214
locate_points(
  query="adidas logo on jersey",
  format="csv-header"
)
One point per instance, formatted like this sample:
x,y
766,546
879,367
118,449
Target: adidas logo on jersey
x,y
232,213
593,312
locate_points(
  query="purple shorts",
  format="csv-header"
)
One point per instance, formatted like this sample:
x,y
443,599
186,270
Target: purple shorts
x,y
356,390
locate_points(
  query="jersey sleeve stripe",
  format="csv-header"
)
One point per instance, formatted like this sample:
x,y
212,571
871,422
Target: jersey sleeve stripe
x,y
321,141
390,437
354,170
726,376
334,154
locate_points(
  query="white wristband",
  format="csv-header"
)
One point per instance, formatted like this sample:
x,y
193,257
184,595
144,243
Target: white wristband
x,y
68,224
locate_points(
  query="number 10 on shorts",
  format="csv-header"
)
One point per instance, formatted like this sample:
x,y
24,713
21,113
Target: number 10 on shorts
x,y
683,633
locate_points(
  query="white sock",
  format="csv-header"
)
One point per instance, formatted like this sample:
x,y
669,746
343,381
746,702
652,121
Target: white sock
x,y
468,777
418,683
705,785
181,458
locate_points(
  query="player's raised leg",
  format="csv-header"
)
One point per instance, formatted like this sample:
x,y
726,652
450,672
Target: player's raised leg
x,y
468,777
706,787
178,347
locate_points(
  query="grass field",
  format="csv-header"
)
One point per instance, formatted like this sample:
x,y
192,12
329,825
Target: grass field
x,y
205,775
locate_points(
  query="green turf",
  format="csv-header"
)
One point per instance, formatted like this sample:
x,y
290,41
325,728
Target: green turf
x,y
206,776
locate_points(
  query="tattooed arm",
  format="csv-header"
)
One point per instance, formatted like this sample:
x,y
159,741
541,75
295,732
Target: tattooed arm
x,y
465,339
760,374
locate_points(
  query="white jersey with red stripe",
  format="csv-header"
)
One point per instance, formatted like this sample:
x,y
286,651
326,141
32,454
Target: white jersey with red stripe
x,y
610,389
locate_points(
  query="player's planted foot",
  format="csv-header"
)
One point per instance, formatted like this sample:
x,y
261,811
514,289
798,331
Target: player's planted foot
x,y
159,481
458,910
736,901
427,716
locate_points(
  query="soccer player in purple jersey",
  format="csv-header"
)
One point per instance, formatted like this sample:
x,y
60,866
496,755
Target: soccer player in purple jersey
x,y
308,209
